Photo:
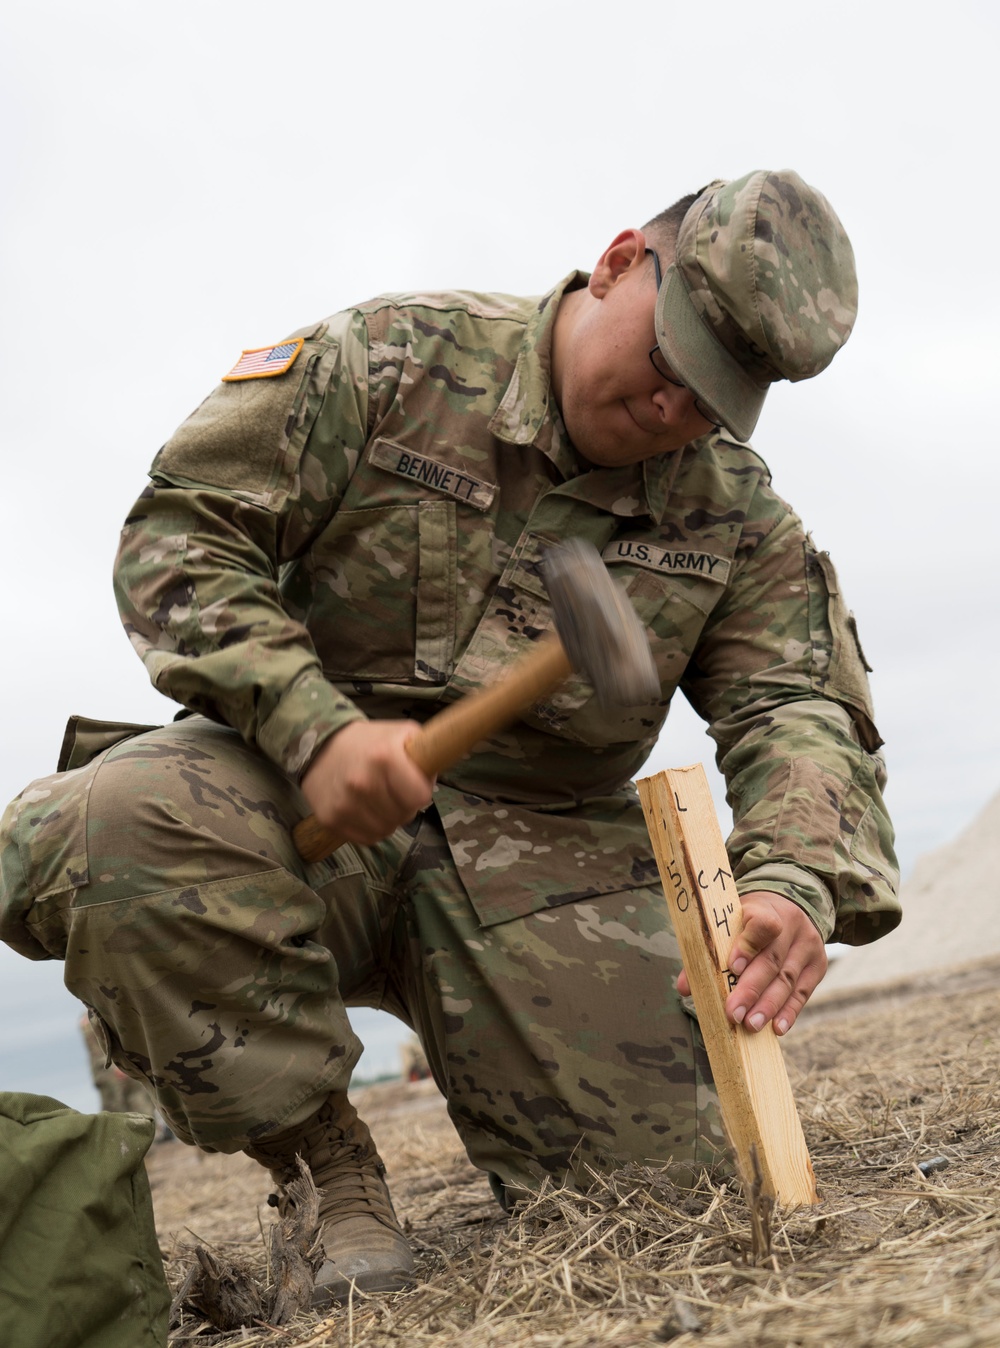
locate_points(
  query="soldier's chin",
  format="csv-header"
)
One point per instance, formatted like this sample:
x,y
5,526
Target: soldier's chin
x,y
611,454
607,450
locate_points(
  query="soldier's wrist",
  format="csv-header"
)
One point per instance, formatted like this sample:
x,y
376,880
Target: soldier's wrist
x,y
309,711
804,889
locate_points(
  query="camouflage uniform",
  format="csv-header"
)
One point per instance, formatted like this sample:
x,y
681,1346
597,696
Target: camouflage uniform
x,y
360,537
119,1093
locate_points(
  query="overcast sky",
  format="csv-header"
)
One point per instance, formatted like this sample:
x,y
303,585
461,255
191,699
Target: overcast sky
x,y
182,182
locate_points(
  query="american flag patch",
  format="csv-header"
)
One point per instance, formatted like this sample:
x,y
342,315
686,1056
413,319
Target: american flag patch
x,y
264,361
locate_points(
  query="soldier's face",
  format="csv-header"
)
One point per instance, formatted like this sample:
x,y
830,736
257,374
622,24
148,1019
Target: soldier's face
x,y
616,407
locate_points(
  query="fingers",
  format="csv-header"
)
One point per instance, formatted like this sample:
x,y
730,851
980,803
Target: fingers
x,y
780,1002
780,960
762,926
382,781
364,784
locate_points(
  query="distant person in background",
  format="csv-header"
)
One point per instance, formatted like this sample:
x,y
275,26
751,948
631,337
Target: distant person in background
x,y
119,1093
413,1060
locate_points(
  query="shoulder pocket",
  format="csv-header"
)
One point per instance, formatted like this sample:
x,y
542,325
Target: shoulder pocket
x,y
841,671
246,436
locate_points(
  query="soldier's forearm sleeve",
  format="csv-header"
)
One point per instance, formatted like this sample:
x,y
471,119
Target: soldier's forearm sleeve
x,y
239,491
781,679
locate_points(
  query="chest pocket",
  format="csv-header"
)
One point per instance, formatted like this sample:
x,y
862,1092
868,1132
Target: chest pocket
x,y
377,593
673,592
654,575
673,606
519,613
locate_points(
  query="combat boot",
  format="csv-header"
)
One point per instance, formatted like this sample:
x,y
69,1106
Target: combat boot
x,y
364,1246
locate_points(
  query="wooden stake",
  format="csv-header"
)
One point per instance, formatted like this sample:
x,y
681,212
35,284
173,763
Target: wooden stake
x,y
758,1110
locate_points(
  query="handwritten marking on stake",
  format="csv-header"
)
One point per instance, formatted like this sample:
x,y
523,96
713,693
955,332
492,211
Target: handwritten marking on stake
x,y
758,1109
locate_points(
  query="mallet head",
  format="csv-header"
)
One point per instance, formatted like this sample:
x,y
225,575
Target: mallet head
x,y
598,626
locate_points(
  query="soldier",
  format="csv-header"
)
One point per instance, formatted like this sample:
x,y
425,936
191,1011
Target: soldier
x,y
413,1060
344,537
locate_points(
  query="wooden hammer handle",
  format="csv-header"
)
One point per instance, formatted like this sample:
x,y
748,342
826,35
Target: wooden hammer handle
x,y
451,734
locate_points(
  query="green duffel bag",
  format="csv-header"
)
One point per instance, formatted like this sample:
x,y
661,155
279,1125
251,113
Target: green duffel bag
x,y
79,1262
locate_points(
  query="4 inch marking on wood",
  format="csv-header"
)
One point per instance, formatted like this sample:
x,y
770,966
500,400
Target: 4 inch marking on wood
x,y
758,1109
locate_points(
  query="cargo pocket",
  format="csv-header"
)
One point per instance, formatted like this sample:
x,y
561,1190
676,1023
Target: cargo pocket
x,y
380,584
43,841
45,834
85,738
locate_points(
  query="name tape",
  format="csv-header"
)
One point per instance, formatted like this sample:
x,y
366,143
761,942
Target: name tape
x,y
438,476
671,561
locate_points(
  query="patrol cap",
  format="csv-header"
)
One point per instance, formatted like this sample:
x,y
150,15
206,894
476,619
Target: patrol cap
x,y
762,287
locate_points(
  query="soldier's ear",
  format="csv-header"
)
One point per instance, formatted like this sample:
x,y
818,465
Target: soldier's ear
x,y
625,253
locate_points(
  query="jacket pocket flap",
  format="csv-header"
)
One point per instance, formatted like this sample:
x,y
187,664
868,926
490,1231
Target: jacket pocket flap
x,y
514,861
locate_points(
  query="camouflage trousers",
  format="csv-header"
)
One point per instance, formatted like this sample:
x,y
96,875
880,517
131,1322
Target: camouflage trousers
x,y
120,1094
220,965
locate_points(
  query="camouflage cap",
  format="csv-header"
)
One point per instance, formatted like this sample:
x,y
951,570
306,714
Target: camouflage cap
x,y
762,288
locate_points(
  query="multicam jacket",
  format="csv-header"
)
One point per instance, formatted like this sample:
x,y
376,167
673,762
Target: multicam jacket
x,y
360,537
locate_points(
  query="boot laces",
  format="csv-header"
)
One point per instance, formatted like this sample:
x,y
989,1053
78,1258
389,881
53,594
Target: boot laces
x,y
346,1168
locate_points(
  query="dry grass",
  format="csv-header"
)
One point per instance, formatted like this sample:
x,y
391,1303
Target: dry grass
x,y
891,1257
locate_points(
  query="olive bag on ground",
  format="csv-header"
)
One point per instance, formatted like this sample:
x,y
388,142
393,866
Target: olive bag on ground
x,y
79,1263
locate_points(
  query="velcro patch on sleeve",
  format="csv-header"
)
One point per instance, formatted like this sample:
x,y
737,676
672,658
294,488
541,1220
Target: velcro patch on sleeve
x,y
263,362
440,477
670,561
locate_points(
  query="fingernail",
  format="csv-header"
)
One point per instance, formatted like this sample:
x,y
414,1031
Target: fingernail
x,y
738,965
781,1026
739,1013
756,1020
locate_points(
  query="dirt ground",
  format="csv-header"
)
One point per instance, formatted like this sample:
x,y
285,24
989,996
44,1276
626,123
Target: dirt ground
x,y
892,1256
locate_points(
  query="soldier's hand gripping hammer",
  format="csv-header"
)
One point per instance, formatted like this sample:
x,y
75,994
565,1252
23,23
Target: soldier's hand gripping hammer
x,y
597,633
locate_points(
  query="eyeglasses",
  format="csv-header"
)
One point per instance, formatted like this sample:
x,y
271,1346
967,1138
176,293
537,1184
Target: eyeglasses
x,y
659,364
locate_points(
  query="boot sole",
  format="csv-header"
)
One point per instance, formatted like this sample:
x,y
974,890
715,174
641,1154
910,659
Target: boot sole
x,y
371,1283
